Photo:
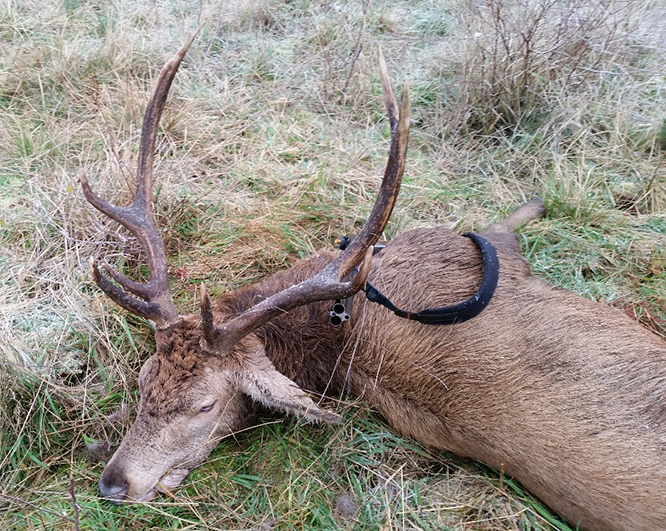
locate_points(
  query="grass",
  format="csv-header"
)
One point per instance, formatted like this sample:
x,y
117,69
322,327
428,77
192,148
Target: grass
x,y
272,144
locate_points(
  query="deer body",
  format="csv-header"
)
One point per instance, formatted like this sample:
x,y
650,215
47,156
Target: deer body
x,y
566,395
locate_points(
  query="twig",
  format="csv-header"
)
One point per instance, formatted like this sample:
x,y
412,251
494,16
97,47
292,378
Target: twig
x,y
648,188
76,505
357,51
15,499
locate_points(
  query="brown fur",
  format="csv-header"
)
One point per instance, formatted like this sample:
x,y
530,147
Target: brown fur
x,y
566,395
302,344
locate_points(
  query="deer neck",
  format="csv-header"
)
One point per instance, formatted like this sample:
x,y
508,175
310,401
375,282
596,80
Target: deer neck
x,y
302,344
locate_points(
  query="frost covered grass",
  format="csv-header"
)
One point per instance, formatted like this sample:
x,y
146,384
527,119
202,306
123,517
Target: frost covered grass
x,y
272,144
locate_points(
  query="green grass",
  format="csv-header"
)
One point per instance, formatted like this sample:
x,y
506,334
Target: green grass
x,y
273,144
296,476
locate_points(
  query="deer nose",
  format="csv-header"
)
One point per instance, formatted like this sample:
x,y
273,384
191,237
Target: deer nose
x,y
113,489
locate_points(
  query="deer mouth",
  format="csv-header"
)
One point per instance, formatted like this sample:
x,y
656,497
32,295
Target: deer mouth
x,y
166,484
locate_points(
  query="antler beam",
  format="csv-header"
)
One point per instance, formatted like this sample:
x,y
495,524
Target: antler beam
x,y
151,300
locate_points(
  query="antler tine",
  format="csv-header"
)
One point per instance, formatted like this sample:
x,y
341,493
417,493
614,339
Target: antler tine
x,y
328,284
157,303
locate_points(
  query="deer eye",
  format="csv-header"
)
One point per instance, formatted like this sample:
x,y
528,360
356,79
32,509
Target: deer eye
x,y
206,409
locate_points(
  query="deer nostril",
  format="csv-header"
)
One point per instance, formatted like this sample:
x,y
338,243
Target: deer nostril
x,y
113,492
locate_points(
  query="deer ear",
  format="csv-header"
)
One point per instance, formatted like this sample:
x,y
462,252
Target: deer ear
x,y
148,371
263,383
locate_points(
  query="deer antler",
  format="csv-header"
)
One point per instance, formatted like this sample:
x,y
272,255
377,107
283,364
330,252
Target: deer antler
x,y
328,284
151,300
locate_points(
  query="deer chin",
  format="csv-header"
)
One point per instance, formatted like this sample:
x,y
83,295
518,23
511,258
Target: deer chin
x,y
165,485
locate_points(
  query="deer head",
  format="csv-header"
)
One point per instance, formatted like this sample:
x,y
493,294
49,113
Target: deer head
x,y
208,370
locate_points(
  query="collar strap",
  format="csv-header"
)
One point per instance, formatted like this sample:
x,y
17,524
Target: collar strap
x,y
457,313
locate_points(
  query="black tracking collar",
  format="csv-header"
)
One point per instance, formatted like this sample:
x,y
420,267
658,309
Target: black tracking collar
x,y
457,313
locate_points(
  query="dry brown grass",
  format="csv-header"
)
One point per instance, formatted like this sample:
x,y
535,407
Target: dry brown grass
x,y
272,144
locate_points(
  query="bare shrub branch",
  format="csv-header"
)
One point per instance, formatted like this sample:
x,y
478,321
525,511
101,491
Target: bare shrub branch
x,y
518,51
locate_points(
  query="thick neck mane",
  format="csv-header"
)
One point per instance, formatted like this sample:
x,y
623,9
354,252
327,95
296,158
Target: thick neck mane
x,y
302,344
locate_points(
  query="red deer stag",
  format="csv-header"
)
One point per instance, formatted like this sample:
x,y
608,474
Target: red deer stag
x,y
565,395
